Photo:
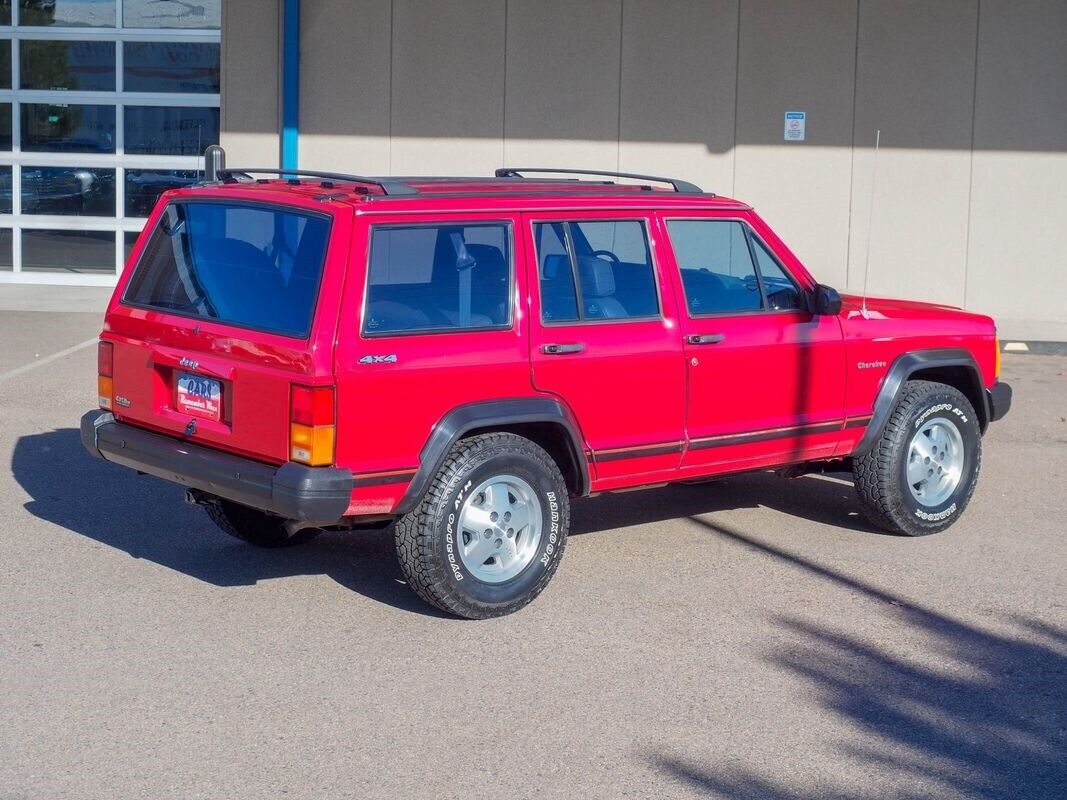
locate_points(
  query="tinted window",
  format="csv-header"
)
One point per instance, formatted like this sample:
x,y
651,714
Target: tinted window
x,y
84,66
68,251
63,128
5,63
718,273
252,266
6,238
190,67
6,194
168,131
559,297
171,14
98,13
778,287
437,278
71,191
5,126
613,266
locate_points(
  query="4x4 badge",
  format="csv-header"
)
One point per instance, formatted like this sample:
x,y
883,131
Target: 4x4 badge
x,y
389,359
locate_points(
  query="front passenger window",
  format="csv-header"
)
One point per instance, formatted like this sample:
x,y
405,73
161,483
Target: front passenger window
x,y
719,274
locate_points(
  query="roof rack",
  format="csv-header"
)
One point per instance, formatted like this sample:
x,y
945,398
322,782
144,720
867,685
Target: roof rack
x,y
682,187
389,187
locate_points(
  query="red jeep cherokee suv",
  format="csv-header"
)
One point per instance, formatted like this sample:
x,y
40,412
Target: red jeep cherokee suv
x,y
463,356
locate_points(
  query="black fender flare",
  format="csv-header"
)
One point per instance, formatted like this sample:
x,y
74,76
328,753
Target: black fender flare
x,y
488,414
906,365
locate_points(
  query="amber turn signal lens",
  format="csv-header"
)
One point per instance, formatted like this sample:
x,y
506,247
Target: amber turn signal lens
x,y
311,445
105,388
996,362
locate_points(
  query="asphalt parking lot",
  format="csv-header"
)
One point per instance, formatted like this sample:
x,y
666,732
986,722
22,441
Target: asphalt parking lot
x,y
750,638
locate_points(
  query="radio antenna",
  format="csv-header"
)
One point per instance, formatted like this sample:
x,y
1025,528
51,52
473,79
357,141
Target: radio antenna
x,y
870,223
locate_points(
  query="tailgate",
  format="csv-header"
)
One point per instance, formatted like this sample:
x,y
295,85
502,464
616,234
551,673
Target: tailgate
x,y
220,318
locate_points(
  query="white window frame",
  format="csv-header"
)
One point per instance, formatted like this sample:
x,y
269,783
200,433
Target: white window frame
x,y
119,224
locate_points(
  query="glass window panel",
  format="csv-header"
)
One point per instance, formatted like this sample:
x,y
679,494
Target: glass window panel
x,y
6,194
82,66
64,128
68,13
614,269
717,270
6,260
5,126
559,300
171,14
73,191
68,251
434,278
5,12
144,186
779,288
166,131
256,267
190,67
5,63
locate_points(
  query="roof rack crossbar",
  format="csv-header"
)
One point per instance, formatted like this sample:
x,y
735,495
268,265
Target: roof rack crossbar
x,y
680,186
390,187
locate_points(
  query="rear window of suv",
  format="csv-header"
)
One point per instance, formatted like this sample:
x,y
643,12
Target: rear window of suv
x,y
253,266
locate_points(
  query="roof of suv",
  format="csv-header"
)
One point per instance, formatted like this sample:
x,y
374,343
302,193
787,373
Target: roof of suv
x,y
416,193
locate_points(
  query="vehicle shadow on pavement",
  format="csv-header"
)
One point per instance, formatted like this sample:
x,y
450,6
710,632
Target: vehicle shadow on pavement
x,y
825,499
148,519
989,721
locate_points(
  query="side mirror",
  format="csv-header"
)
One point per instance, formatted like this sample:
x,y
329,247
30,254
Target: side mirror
x,y
827,301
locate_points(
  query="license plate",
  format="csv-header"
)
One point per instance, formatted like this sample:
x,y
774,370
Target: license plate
x,y
199,396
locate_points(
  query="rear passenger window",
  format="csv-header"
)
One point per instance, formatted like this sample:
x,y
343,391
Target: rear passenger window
x,y
718,272
438,278
595,270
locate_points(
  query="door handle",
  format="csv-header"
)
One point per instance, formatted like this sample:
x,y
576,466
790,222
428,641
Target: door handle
x,y
705,338
562,349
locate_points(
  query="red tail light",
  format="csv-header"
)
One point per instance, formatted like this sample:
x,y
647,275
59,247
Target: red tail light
x,y
311,425
312,405
105,357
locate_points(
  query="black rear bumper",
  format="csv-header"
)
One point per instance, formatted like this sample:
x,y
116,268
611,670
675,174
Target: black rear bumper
x,y
999,400
313,495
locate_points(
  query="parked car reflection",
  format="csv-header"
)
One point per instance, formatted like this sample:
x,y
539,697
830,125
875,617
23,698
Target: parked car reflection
x,y
69,191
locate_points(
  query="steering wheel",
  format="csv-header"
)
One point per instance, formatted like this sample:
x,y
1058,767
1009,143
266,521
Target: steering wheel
x,y
610,255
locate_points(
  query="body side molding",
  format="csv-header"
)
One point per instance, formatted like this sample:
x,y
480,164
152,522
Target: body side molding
x,y
906,365
459,421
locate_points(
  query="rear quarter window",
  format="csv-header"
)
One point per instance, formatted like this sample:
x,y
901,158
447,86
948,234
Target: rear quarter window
x,y
438,278
253,266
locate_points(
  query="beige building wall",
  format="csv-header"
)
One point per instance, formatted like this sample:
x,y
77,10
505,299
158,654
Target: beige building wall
x,y
970,96
251,80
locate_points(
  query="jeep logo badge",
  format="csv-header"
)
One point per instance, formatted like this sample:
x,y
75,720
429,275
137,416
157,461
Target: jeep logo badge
x,y
188,363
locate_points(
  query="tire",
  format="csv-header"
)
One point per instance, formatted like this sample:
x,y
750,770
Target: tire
x,y
932,435
255,527
440,552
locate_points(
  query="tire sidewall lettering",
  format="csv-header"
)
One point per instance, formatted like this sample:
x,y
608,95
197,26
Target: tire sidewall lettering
x,y
949,411
450,537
